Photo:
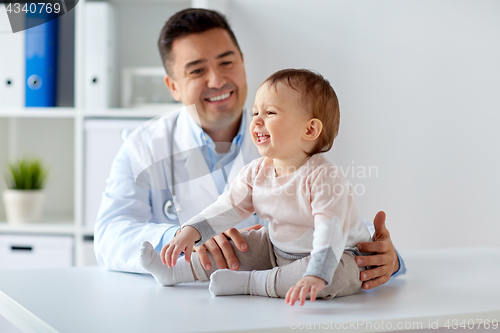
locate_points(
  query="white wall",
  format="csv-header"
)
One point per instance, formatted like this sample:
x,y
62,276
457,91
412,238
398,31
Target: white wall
x,y
419,85
138,27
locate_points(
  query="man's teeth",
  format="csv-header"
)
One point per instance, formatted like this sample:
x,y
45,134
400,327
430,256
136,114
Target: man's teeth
x,y
220,97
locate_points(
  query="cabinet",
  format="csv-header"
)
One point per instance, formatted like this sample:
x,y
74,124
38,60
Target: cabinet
x,y
57,134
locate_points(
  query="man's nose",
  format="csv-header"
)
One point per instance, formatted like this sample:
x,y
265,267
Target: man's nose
x,y
216,80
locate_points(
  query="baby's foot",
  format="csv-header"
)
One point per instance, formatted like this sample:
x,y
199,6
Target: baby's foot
x,y
151,262
225,282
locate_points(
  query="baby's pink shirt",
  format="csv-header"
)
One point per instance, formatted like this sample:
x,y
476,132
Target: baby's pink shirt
x,y
310,211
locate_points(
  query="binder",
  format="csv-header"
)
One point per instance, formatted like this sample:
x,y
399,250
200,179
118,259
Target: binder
x,y
41,59
99,55
12,65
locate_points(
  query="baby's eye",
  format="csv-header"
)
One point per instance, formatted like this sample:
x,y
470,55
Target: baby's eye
x,y
271,112
255,114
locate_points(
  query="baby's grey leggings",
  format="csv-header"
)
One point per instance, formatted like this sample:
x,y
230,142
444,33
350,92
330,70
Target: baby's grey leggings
x,y
285,273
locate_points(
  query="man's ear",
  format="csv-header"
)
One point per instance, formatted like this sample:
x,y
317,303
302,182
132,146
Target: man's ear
x,y
313,129
172,86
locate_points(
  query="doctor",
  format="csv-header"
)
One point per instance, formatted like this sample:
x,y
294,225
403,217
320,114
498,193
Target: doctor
x,y
205,71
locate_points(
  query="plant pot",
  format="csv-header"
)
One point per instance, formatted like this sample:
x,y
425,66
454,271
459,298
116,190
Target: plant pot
x,y
23,206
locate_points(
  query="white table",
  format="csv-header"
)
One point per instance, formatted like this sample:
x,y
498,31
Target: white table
x,y
441,286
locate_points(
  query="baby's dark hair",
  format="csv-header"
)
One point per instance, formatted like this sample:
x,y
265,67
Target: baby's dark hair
x,y
318,97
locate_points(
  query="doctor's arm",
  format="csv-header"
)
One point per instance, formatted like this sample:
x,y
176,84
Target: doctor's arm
x,y
387,261
122,222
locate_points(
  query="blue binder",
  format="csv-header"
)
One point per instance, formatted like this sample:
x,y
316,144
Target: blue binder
x,y
41,59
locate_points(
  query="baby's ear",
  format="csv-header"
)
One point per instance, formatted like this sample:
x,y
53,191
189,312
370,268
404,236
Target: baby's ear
x,y
313,129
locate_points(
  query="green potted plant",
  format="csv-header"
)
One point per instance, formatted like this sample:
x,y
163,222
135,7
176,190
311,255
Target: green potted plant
x,y
24,197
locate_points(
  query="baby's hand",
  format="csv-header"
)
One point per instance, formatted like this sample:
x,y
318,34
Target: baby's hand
x,y
182,242
306,285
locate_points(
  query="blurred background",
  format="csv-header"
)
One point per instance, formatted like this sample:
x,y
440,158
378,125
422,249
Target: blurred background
x,y
418,86
418,83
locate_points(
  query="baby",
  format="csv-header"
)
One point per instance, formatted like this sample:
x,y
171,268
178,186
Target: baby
x,y
314,223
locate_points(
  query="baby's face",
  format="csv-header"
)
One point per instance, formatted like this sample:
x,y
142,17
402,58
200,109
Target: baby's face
x,y
279,122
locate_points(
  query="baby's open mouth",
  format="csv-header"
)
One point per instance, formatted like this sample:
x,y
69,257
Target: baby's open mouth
x,y
261,138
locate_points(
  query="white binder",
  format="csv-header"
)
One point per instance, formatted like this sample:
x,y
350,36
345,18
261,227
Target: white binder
x,y
103,139
12,64
99,55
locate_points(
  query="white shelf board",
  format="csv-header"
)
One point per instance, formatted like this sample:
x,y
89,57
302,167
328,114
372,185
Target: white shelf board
x,y
59,225
88,232
37,112
133,112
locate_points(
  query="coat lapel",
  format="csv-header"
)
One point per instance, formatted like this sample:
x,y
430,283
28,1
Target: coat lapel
x,y
188,152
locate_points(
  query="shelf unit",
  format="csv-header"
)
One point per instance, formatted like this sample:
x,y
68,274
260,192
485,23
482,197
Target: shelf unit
x,y
65,125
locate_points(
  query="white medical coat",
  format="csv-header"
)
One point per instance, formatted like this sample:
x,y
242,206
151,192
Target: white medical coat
x,y
130,214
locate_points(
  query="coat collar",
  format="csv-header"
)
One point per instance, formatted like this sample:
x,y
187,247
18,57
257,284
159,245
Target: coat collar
x,y
186,148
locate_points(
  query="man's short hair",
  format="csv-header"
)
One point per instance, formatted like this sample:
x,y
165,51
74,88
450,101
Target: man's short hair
x,y
318,97
186,22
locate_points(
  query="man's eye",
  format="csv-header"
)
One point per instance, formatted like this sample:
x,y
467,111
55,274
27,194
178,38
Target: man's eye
x,y
225,63
197,71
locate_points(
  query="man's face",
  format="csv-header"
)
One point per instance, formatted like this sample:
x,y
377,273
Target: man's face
x,y
208,71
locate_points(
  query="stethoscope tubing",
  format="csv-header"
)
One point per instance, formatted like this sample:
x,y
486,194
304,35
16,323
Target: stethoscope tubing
x,y
172,207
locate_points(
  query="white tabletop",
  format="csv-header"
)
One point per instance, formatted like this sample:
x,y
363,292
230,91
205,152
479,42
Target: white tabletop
x,y
440,286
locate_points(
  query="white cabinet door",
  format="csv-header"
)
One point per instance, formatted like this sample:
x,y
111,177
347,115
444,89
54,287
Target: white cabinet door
x,y
20,251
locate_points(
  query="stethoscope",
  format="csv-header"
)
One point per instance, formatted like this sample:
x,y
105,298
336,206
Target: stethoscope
x,y
172,207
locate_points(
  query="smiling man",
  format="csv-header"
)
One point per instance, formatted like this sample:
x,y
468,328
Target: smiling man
x,y
205,68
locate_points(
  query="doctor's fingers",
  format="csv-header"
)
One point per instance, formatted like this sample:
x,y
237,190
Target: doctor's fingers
x,y
237,239
373,273
376,282
203,256
214,249
373,260
227,251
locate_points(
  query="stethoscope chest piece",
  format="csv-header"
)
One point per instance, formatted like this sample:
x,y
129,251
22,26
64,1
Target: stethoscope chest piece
x,y
172,209
169,210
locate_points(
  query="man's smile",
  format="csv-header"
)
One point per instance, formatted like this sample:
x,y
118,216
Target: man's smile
x,y
220,97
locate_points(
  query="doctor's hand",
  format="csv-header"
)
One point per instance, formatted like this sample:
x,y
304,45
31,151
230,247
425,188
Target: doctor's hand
x,y
182,242
221,249
386,259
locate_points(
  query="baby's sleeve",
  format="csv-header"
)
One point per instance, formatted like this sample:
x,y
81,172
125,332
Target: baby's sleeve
x,y
232,206
332,209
